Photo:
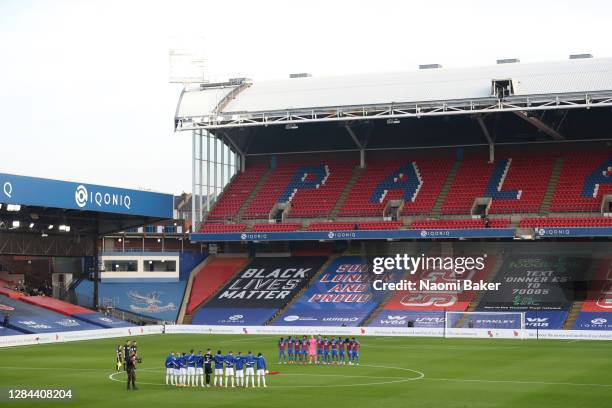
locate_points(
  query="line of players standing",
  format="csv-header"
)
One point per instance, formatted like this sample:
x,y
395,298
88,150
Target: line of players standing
x,y
189,369
319,350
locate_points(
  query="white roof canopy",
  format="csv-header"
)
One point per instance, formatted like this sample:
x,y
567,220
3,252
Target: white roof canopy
x,y
209,104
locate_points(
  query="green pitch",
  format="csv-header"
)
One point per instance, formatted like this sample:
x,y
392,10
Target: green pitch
x,y
394,372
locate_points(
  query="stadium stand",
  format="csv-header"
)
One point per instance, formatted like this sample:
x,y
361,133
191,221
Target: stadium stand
x,y
553,301
342,295
596,311
416,180
219,228
55,305
347,226
81,313
585,178
311,183
566,222
5,331
258,291
11,293
276,227
515,184
211,277
150,299
460,223
102,320
28,318
425,308
236,193
68,309
188,261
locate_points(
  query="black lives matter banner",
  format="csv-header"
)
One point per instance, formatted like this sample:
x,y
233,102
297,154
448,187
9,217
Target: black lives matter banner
x,y
267,283
534,282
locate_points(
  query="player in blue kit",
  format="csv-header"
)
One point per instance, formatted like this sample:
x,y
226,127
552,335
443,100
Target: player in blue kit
x,y
229,369
341,348
349,350
290,344
249,362
297,343
305,347
319,349
191,371
219,360
199,366
170,369
182,363
239,360
177,370
282,345
334,351
356,346
326,346
261,369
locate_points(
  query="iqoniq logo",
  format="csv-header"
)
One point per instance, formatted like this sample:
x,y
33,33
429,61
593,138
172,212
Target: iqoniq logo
x,y
82,197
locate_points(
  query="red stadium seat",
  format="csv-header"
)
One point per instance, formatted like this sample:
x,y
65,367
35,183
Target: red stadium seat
x,y
433,172
306,203
220,228
460,223
347,226
566,222
528,173
236,193
276,227
577,166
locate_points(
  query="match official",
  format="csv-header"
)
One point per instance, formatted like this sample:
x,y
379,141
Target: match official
x,y
130,367
208,360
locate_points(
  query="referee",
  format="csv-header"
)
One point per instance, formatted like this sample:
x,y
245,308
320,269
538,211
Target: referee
x,y
126,353
208,359
130,367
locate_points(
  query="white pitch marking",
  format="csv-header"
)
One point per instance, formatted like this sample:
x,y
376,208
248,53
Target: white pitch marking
x,y
519,382
396,379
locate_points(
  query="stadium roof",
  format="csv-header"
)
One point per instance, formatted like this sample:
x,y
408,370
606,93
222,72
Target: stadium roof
x,y
573,83
51,217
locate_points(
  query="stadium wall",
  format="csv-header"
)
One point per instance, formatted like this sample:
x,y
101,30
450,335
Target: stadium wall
x,y
62,337
383,331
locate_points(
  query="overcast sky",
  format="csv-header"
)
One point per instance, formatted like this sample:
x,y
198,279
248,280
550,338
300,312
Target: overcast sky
x,y
84,92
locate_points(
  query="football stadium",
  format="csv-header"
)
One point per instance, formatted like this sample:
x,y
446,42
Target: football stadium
x,y
433,237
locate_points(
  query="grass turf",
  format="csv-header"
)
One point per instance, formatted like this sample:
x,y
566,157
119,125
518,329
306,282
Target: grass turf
x,y
456,373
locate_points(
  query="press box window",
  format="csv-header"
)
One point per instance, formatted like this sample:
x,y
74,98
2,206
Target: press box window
x,y
121,266
160,266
